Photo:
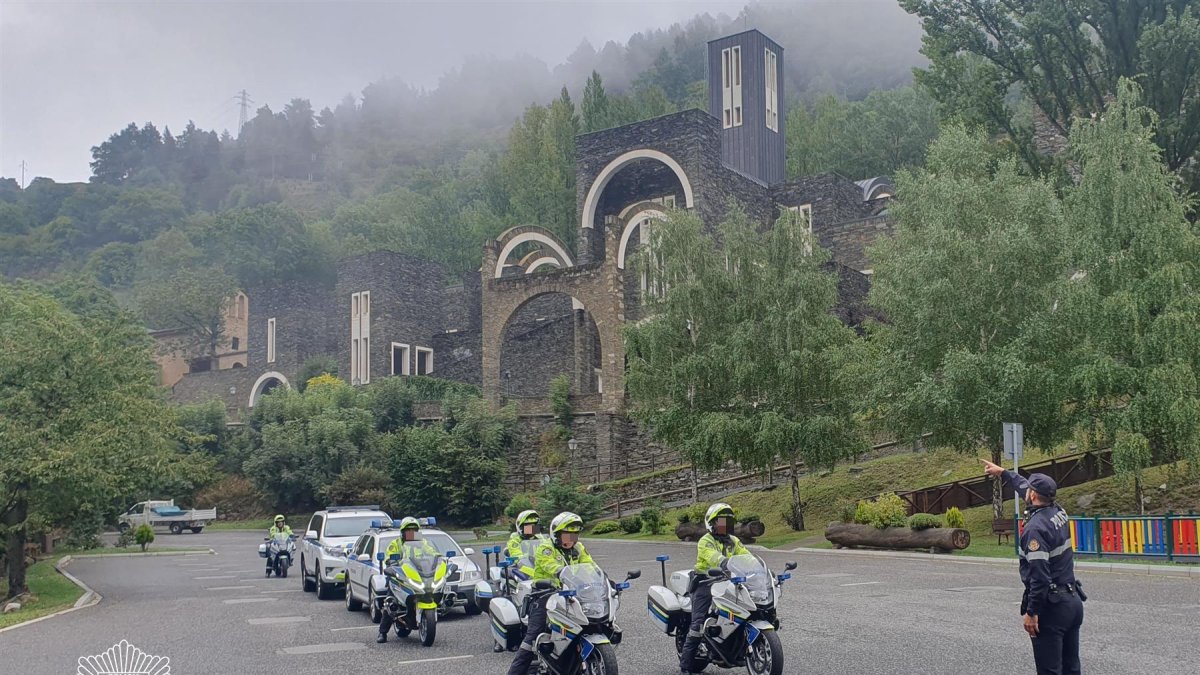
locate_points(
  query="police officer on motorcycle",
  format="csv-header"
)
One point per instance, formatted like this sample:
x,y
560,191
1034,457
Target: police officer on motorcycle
x,y
562,549
712,551
396,551
1053,601
280,527
527,527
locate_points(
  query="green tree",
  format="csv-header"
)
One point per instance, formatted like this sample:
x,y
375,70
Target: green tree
x,y
595,110
739,359
966,283
83,421
1131,303
1067,58
193,299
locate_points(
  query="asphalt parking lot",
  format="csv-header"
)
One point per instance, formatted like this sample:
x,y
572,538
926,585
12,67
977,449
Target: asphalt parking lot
x,y
841,612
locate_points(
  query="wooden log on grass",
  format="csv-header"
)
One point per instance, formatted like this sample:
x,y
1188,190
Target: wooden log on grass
x,y
850,535
746,532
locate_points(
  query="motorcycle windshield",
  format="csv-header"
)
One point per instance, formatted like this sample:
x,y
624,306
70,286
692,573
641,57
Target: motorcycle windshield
x,y
280,540
421,559
758,580
591,588
529,551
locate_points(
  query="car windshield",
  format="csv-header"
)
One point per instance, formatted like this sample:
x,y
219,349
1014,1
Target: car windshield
x,y
351,526
442,542
757,580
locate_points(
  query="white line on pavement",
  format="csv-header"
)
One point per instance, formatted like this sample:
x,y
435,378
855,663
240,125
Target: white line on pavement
x,y
443,658
283,590
832,575
319,649
222,576
242,601
270,620
228,588
863,583
356,627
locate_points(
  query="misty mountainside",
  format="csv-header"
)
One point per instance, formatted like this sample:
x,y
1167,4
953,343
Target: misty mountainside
x,y
435,172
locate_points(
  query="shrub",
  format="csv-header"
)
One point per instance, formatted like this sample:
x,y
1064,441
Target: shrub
x,y
683,517
520,502
631,524
606,527
124,539
234,498
954,518
480,533
84,531
924,521
559,495
652,519
360,485
846,512
322,365
144,535
748,518
886,511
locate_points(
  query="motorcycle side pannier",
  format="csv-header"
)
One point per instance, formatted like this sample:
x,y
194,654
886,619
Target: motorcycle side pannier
x,y
262,550
506,623
661,604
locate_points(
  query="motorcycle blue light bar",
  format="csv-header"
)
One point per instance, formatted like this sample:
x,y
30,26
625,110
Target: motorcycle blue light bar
x,y
663,558
623,585
785,577
503,564
567,594
375,524
738,580
379,556
451,554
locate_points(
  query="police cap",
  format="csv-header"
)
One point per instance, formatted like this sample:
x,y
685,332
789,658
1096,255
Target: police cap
x,y
1044,485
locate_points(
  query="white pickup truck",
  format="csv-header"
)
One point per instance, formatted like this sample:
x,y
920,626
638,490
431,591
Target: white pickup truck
x,y
162,514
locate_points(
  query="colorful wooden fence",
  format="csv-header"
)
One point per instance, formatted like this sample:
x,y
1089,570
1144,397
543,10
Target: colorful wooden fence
x,y
1167,536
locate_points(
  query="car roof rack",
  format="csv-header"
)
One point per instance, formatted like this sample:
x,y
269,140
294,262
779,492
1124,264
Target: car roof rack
x,y
369,507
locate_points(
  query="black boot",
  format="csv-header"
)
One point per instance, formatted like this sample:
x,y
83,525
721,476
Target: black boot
x,y
381,638
524,659
688,656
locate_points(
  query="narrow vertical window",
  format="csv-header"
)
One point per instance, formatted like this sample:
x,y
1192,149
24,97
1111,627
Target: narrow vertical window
x,y
736,68
771,82
360,336
726,89
271,340
366,361
424,361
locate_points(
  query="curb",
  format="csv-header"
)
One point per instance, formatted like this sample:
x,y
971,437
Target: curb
x,y
1178,572
88,598
148,554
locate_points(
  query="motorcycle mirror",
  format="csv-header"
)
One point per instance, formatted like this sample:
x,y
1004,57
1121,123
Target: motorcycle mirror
x,y
266,539
543,585
716,572
632,574
791,565
468,551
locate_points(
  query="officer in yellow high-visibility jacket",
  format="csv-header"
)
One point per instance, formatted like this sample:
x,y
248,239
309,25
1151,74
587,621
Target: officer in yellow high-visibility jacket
x,y
712,551
280,527
527,530
562,549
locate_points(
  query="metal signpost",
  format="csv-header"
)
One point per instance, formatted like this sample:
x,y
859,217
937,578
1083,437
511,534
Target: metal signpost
x,y
1014,449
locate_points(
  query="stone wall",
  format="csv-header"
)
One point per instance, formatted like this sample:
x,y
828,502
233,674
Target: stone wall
x,y
834,199
408,306
232,387
304,326
458,355
849,240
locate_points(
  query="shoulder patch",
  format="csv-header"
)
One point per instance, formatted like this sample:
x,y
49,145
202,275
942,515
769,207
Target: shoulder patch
x,y
1034,545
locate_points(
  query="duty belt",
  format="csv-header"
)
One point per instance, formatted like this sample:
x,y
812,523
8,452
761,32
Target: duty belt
x,y
1069,588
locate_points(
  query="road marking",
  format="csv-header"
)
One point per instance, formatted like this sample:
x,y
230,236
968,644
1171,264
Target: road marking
x,y
228,588
356,627
320,649
206,569
443,658
965,589
270,620
223,576
242,601
283,590
833,575
863,583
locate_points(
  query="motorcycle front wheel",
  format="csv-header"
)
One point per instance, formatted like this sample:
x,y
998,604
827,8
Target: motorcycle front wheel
x,y
428,626
602,661
766,655
281,570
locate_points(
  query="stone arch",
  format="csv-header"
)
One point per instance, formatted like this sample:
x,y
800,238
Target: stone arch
x,y
592,199
634,216
265,383
549,334
551,245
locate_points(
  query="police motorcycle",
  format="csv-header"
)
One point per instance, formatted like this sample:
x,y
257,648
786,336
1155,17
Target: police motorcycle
x,y
741,626
580,617
415,590
505,579
280,550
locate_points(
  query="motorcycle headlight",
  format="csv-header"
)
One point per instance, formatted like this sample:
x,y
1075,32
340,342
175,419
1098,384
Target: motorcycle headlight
x,y
597,609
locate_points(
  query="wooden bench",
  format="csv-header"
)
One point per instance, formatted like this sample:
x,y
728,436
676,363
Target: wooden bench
x,y
1002,527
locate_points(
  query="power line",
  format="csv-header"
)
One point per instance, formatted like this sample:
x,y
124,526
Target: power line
x,y
244,102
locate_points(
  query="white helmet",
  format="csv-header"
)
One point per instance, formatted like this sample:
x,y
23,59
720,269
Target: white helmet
x,y
715,511
565,522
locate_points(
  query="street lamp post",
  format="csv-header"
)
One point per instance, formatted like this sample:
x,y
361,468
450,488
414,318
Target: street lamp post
x,y
572,445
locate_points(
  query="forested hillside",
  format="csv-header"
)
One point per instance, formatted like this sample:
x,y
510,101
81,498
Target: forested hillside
x,y
436,172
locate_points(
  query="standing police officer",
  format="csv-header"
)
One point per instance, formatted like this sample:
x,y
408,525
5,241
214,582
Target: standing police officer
x,y
1053,600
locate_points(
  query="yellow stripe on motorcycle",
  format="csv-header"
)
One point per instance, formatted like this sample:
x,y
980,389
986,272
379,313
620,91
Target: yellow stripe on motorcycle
x,y
427,605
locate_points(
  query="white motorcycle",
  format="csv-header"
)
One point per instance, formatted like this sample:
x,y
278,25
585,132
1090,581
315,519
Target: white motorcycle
x,y
741,628
580,620
279,552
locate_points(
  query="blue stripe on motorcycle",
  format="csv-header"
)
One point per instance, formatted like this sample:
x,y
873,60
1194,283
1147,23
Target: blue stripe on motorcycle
x,y
752,634
585,650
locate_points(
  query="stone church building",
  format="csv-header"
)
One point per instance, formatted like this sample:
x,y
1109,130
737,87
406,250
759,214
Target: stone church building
x,y
537,308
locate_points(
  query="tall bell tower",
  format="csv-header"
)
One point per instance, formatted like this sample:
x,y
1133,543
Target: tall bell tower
x,y
745,92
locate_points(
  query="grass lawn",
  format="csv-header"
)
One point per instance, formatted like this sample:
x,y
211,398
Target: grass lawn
x,y
297,522
51,590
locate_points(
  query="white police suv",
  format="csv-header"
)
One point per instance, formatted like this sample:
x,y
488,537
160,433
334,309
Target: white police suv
x,y
366,585
326,540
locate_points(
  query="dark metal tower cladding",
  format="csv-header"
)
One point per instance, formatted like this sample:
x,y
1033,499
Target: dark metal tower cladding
x,y
745,92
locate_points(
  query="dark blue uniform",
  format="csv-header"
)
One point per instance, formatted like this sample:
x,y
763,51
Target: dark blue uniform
x,y
1048,572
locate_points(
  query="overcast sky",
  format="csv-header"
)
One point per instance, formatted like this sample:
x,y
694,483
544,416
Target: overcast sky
x,y
71,73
